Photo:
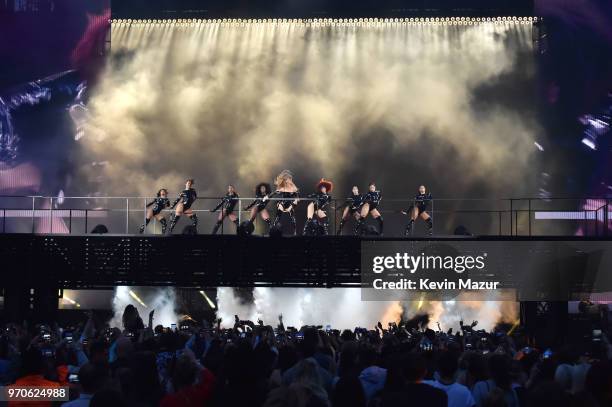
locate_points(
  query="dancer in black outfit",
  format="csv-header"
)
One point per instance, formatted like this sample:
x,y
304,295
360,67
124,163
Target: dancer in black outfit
x,y
286,189
370,206
227,206
183,205
258,206
352,207
322,198
159,204
419,210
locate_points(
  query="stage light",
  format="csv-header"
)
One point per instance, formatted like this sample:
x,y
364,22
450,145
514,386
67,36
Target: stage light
x,y
208,300
590,143
538,146
420,303
71,301
137,298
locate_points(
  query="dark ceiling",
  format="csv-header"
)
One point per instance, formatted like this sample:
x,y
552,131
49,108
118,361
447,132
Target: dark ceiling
x,y
317,8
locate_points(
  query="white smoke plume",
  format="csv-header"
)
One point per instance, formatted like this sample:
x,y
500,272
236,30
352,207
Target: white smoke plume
x,y
162,300
343,308
339,307
395,103
449,313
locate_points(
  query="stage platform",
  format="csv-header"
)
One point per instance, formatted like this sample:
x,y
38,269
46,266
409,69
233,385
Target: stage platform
x,y
104,261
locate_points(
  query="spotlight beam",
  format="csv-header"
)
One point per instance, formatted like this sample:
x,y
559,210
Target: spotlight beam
x,y
71,301
208,300
137,298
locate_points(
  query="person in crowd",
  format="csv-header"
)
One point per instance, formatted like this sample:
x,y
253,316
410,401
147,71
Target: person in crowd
x,y
500,381
33,372
405,387
192,384
458,395
91,378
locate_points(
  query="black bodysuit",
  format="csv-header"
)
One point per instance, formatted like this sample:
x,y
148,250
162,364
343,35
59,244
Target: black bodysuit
x,y
187,197
159,204
259,202
421,201
321,200
228,203
288,197
355,202
373,198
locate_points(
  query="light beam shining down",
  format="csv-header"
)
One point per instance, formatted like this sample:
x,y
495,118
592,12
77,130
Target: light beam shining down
x,y
137,298
71,301
208,300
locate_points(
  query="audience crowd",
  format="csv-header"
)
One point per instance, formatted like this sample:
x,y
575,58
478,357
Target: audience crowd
x,y
254,364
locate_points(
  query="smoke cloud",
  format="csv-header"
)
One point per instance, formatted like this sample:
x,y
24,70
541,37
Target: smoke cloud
x,y
399,104
338,307
162,300
342,308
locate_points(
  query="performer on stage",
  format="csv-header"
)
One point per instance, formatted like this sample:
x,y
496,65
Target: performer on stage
x,y
370,205
183,205
352,207
258,206
158,205
227,205
322,198
286,189
419,209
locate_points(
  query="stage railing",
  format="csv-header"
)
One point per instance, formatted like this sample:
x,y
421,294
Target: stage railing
x,y
503,217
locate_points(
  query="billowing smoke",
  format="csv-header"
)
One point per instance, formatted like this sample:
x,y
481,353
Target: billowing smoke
x,y
338,307
343,308
395,103
145,299
449,313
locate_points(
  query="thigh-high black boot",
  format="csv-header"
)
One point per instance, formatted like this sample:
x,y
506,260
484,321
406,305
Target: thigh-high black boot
x,y
173,223
380,225
194,222
217,226
408,231
144,226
